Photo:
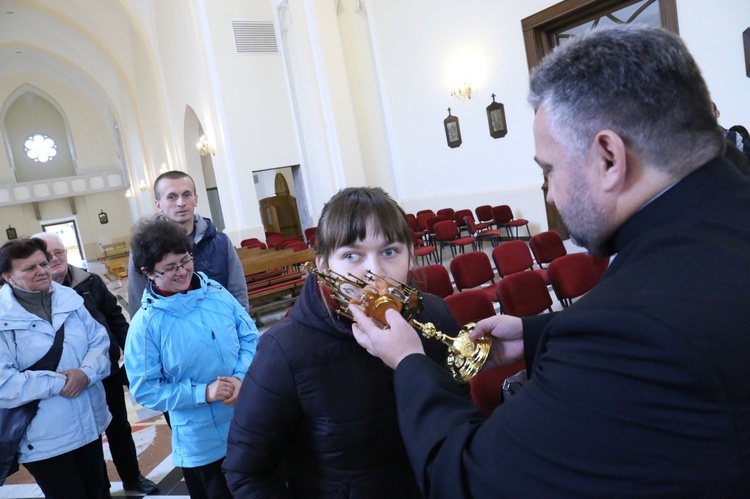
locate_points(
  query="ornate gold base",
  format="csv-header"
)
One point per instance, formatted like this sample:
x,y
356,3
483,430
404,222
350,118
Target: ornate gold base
x,y
378,294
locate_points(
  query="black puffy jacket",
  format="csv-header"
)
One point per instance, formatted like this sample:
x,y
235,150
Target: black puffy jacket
x,y
316,416
103,307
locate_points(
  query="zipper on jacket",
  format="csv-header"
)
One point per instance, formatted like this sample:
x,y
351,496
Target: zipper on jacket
x,y
218,349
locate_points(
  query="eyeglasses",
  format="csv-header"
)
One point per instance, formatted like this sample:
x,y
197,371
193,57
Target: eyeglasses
x,y
171,270
58,253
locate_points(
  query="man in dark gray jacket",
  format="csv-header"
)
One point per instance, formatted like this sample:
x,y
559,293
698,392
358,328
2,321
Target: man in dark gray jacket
x,y
213,251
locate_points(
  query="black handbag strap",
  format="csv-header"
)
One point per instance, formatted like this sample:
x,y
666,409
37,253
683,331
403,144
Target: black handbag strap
x,y
52,358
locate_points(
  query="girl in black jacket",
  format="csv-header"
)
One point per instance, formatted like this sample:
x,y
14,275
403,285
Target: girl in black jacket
x,y
316,416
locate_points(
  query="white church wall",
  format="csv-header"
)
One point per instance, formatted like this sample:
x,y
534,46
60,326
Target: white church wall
x,y
424,47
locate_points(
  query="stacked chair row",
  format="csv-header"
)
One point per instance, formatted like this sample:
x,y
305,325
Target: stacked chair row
x,y
447,226
522,291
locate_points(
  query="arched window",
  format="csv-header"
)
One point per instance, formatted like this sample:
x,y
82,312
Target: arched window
x,y
40,148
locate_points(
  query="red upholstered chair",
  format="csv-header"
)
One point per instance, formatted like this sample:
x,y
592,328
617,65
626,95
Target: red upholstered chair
x,y
425,253
433,279
546,246
288,241
484,214
425,212
422,250
486,386
572,276
446,233
446,212
431,226
461,222
471,305
523,294
600,264
419,236
458,216
493,235
503,217
295,245
253,243
310,232
473,270
514,256
422,220
274,239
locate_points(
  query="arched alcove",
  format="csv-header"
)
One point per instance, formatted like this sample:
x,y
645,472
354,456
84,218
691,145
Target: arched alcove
x,y
201,168
29,111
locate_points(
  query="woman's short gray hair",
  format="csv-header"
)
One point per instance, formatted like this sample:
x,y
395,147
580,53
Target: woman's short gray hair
x,y
638,81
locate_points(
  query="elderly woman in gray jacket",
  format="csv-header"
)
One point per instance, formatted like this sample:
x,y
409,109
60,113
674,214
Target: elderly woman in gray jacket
x,y
62,446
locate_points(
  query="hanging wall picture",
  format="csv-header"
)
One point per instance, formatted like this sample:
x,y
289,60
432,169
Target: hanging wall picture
x,y
496,119
746,44
452,130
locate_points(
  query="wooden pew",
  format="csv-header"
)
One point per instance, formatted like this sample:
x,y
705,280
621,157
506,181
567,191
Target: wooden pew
x,y
121,248
117,267
273,277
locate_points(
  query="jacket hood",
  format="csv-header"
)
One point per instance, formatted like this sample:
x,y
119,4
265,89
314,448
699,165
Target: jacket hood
x,y
204,228
310,311
77,275
64,302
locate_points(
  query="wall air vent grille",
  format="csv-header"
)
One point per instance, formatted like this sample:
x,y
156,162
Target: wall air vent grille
x,y
253,37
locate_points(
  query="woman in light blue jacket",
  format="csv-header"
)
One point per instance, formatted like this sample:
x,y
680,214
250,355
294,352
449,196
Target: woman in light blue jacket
x,y
187,351
62,446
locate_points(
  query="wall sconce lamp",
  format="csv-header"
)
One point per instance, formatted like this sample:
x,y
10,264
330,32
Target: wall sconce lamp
x,y
129,193
461,91
103,218
11,233
204,147
142,185
163,168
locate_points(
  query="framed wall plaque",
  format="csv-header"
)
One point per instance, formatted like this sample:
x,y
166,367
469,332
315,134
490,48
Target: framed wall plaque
x,y
746,44
452,130
496,119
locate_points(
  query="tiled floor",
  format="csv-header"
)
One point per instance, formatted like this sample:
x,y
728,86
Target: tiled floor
x,y
150,432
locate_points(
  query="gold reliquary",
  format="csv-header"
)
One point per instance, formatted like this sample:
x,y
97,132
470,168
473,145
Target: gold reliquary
x,y
376,294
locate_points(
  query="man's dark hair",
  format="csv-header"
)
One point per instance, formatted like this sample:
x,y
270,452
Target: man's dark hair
x,y
175,174
741,130
638,81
